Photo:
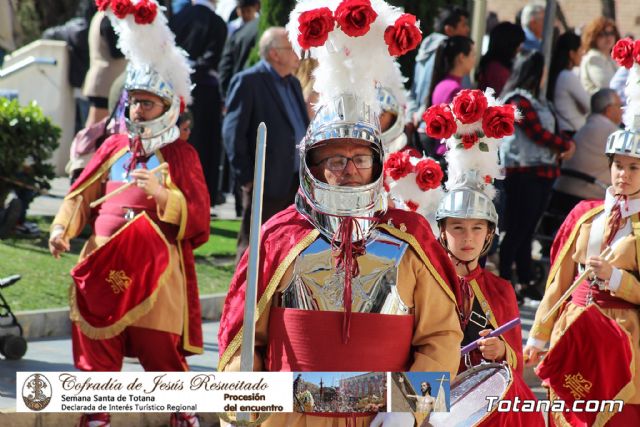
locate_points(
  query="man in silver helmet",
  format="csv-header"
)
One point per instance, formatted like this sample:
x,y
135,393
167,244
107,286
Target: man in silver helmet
x,y
340,268
150,309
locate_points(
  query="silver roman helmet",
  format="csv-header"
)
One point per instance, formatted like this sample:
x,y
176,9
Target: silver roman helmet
x,y
162,130
625,142
345,117
394,138
467,200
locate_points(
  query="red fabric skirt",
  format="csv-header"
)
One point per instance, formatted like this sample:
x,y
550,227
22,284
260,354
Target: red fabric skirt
x,y
311,341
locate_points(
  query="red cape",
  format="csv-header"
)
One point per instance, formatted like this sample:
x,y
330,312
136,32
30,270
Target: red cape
x,y
185,174
285,235
568,231
502,301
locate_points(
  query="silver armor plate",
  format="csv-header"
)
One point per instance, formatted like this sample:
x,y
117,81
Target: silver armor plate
x,y
317,285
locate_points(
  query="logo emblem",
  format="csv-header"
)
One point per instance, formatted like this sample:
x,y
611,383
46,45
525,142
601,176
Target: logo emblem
x,y
36,392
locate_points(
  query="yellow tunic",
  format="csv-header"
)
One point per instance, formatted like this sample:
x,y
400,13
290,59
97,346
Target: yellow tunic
x,y
436,338
625,259
167,314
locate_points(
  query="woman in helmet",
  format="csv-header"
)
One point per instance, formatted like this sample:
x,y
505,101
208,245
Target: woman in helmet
x,y
611,285
467,221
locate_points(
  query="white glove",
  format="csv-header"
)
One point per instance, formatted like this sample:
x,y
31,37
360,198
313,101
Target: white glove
x,y
393,419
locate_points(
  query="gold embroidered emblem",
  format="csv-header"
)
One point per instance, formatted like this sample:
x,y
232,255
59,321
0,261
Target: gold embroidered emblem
x,y
577,385
403,228
118,280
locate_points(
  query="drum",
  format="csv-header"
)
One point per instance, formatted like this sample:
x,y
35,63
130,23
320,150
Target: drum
x,y
469,391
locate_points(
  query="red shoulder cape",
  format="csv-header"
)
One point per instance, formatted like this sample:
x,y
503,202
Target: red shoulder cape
x,y
565,231
504,306
285,235
185,174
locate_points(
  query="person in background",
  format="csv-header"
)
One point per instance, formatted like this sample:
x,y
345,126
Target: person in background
x,y
605,118
202,33
7,29
531,158
597,67
455,58
564,89
451,21
106,63
532,22
267,92
505,40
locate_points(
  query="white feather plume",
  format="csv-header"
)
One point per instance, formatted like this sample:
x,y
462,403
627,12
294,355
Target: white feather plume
x,y
154,45
349,64
632,92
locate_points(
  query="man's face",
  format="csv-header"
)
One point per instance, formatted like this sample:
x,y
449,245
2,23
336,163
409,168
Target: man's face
x,y
423,386
614,110
144,106
325,162
283,55
460,29
536,25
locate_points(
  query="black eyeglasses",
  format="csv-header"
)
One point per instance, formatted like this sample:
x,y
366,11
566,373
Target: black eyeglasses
x,y
339,163
607,33
145,104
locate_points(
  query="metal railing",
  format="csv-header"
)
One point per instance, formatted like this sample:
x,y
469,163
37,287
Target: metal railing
x,y
24,63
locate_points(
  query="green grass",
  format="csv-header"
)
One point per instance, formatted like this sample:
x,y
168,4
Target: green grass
x,y
45,280
222,242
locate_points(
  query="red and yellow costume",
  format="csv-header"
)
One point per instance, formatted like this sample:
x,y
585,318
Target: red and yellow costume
x,y
609,365
497,301
143,269
310,340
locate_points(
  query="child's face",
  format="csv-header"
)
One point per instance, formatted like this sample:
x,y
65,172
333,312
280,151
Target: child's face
x,y
466,237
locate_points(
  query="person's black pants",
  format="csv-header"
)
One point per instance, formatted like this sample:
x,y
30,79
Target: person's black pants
x,y
206,136
526,199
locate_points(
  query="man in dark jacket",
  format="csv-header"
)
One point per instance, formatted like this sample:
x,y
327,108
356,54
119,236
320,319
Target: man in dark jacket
x,y
202,33
266,92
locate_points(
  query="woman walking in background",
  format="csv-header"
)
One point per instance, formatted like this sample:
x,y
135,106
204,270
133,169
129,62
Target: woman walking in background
x,y
531,158
597,68
495,66
564,89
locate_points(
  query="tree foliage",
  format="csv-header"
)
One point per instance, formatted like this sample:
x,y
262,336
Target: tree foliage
x,y
27,141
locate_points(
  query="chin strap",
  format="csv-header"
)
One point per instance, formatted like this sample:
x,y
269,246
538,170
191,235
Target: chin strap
x,y
346,256
137,154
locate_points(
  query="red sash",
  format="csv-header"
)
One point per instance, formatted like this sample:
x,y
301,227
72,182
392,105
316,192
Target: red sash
x,y
602,298
117,283
592,360
308,341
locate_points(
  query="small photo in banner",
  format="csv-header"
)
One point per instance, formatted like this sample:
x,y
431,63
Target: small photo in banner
x,y
420,393
340,392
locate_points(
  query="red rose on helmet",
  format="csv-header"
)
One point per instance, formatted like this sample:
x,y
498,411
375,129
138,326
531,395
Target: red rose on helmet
x,y
428,174
497,122
469,140
440,122
145,12
624,52
102,4
121,8
398,165
403,36
469,105
636,51
315,26
354,17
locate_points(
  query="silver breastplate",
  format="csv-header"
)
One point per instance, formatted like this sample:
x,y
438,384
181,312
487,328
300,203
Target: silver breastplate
x,y
317,285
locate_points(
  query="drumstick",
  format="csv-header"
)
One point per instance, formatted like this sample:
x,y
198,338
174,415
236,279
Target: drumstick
x,y
123,187
79,198
501,330
606,254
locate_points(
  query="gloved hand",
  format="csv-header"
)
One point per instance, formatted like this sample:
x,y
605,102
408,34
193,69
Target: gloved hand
x,y
393,419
